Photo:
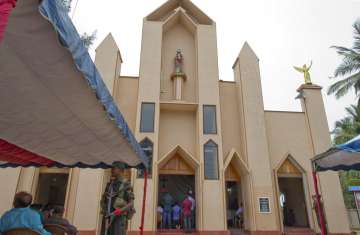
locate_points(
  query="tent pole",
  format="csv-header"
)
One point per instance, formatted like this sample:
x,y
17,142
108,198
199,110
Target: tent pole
x,y
318,204
143,203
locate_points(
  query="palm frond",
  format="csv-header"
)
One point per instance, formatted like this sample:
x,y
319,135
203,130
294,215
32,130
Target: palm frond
x,y
348,66
344,50
340,88
356,26
352,111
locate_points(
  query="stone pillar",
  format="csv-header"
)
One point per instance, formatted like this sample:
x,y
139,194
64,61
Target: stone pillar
x,y
149,91
251,106
211,203
86,215
26,179
108,61
8,180
178,80
313,106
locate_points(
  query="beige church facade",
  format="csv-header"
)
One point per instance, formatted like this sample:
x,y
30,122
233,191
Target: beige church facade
x,y
208,136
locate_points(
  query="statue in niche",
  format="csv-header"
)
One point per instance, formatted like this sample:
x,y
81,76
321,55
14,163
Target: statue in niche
x,y
305,70
179,62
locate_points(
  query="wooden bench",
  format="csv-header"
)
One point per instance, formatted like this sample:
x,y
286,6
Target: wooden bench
x,y
55,229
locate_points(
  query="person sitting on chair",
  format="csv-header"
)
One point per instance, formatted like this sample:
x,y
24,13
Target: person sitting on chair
x,y
38,208
57,218
22,216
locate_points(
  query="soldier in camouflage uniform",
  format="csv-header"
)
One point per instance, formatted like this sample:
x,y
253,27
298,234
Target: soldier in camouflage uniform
x,y
117,203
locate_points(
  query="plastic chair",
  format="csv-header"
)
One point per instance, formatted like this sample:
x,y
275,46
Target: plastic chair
x,y
21,231
55,229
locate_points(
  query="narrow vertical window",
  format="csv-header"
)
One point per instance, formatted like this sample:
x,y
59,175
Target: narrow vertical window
x,y
209,119
147,117
211,162
147,147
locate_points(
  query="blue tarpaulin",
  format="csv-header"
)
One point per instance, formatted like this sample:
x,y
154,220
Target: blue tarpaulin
x,y
341,157
54,102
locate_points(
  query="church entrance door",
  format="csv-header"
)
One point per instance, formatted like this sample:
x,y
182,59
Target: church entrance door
x,y
176,180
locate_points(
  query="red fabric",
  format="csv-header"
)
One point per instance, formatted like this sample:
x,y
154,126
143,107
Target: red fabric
x,y
143,203
117,211
14,154
186,207
5,8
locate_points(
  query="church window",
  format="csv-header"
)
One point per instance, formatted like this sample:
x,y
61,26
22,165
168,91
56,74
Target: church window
x,y
147,117
211,162
209,112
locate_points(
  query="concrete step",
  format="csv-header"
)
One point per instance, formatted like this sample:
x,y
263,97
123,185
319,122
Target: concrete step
x,y
174,232
237,232
298,231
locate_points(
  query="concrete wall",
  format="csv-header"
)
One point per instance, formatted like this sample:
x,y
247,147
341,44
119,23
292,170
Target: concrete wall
x,y
230,118
88,195
177,128
126,97
8,181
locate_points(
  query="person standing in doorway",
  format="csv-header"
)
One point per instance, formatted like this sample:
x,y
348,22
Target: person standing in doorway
x,y
186,210
176,213
193,204
167,202
240,216
159,212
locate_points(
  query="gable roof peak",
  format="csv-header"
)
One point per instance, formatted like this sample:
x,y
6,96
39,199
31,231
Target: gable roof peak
x,y
170,6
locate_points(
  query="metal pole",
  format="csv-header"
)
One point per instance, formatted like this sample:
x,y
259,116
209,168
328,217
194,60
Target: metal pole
x,y
144,202
318,205
357,207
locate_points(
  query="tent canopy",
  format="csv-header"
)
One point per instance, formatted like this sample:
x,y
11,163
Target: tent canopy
x,y
341,157
55,110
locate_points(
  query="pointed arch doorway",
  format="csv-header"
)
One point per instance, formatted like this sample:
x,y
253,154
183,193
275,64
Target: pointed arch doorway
x,y
237,193
292,194
178,172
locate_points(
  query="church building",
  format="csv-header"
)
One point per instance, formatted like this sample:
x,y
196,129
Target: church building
x,y
204,135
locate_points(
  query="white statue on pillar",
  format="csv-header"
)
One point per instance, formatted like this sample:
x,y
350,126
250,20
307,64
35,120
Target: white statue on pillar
x,y
178,62
178,77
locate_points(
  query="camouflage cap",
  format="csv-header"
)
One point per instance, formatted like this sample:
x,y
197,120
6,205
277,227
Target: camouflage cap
x,y
119,165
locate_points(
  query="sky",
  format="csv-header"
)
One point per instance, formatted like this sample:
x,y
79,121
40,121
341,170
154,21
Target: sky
x,y
283,33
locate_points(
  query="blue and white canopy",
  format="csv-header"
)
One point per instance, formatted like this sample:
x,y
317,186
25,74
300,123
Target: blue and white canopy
x,y
341,157
53,102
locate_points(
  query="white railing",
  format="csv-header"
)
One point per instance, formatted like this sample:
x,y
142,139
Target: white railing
x,y
354,219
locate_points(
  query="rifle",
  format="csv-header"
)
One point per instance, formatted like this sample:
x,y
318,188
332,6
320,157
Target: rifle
x,y
109,218
109,196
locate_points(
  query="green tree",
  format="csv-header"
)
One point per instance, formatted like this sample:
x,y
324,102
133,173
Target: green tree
x,y
349,69
349,178
86,38
346,129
